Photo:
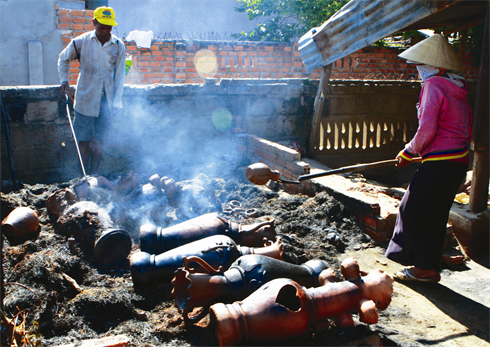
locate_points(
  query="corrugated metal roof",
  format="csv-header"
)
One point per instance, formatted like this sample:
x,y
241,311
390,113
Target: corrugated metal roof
x,y
360,23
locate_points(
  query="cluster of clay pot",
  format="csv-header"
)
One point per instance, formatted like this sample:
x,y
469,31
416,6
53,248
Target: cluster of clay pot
x,y
250,293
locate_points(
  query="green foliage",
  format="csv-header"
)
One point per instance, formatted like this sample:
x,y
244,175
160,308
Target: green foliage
x,y
287,19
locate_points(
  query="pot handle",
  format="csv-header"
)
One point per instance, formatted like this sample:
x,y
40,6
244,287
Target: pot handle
x,y
255,227
203,263
196,318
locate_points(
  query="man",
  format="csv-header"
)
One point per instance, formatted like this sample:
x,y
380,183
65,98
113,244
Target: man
x,y
98,96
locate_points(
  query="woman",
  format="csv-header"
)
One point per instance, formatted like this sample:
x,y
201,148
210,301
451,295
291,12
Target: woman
x,y
442,139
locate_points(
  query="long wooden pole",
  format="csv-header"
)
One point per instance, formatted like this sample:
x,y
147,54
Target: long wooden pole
x,y
318,108
479,143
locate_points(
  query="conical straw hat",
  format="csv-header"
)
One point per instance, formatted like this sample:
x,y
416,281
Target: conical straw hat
x,y
435,51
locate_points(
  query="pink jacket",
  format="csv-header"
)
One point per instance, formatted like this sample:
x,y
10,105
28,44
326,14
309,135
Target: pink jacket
x,y
445,120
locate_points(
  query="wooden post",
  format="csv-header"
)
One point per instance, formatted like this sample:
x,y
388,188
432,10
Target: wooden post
x,y
479,143
318,108
464,41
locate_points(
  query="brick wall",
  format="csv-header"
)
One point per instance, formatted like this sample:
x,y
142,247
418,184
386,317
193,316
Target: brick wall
x,y
185,61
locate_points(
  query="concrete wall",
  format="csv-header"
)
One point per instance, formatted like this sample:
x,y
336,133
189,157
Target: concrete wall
x,y
164,127
21,22
187,129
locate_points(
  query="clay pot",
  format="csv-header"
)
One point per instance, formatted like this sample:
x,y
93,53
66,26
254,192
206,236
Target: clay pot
x,y
157,240
155,180
113,246
58,201
282,309
245,275
260,174
218,251
21,221
169,185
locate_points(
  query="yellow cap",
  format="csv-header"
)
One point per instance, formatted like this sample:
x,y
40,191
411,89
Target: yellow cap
x,y
105,15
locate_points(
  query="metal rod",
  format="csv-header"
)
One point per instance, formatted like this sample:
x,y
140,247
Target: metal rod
x,y
74,136
9,146
354,168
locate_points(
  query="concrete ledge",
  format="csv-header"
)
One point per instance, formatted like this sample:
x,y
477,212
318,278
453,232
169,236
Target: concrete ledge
x,y
374,205
471,230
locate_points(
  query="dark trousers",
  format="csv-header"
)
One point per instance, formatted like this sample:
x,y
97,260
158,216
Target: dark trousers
x,y
420,229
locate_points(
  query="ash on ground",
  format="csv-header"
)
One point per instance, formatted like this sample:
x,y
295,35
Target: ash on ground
x,y
54,287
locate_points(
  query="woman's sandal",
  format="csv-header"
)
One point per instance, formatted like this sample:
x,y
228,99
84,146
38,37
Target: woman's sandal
x,y
405,275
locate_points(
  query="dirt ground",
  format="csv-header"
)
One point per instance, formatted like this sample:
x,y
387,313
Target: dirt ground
x,y
55,293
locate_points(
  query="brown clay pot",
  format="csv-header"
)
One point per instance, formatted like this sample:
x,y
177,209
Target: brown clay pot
x,y
60,200
21,221
156,240
282,309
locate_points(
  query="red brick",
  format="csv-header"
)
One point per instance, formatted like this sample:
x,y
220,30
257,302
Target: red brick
x,y
269,48
63,26
78,13
89,13
157,53
77,26
66,19
148,75
63,13
81,20
144,69
89,27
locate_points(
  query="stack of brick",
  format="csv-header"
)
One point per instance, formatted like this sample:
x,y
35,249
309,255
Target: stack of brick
x,y
73,23
278,157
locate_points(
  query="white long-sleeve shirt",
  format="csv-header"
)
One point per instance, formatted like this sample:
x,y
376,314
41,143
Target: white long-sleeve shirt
x,y
101,68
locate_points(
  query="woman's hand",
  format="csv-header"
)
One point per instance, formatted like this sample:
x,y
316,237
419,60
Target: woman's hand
x,y
402,161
